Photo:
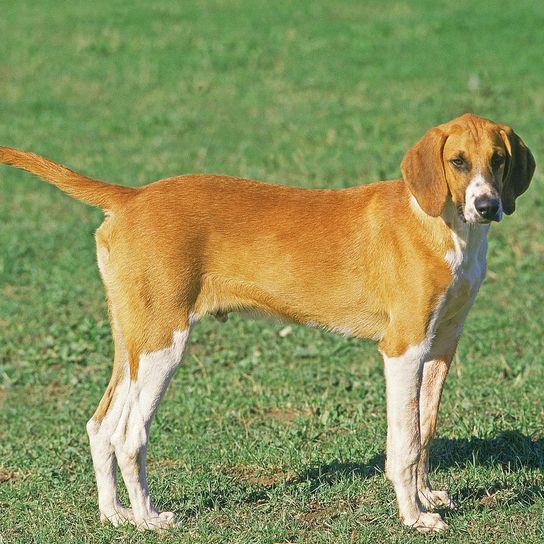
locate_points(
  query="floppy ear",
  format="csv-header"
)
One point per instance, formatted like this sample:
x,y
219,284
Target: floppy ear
x,y
518,170
423,172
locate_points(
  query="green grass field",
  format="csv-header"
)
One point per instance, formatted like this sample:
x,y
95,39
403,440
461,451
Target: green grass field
x,y
261,438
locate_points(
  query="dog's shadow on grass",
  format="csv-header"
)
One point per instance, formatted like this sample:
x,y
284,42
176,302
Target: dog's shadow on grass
x,y
510,450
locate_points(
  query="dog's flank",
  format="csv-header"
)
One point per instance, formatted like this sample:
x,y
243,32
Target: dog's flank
x,y
399,262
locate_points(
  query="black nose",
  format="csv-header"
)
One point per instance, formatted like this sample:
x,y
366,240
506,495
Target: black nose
x,y
487,207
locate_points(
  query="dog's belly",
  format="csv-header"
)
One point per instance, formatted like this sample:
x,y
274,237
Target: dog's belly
x,y
284,299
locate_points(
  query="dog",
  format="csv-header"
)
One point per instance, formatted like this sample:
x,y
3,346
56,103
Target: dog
x,y
399,262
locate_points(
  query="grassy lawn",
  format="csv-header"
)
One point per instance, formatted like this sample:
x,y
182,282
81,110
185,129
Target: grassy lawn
x,y
261,438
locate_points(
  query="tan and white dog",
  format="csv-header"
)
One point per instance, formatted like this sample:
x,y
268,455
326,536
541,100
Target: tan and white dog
x,y
398,261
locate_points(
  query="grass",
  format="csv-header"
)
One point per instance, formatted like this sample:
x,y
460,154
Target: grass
x,y
261,438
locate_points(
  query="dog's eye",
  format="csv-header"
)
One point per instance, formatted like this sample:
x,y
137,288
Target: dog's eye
x,y
497,160
458,162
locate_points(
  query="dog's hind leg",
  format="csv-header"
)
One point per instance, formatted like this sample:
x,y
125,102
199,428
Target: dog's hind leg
x,y
100,428
149,343
144,391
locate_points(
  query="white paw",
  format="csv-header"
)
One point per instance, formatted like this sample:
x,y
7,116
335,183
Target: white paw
x,y
431,499
429,522
157,521
118,515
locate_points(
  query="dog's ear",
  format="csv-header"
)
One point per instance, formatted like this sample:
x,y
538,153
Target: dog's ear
x,y
423,171
518,170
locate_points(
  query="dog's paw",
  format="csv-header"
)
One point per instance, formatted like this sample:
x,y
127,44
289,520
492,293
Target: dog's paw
x,y
118,515
428,522
157,521
431,499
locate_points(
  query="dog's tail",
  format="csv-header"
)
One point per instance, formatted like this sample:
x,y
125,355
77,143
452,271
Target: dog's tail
x,y
97,193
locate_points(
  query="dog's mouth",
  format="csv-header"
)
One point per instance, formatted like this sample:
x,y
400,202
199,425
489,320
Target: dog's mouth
x,y
479,221
461,213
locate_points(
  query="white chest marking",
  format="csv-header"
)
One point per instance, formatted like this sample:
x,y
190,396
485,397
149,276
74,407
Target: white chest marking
x,y
467,261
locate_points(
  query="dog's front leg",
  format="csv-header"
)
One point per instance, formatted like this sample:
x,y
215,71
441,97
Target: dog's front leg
x,y
403,381
434,376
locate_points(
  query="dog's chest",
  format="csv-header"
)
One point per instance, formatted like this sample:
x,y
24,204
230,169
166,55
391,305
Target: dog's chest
x,y
468,265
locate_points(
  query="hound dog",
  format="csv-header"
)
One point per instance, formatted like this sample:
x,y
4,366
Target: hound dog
x,y
399,262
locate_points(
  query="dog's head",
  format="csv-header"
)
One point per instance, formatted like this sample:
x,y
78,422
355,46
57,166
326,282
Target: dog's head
x,y
481,165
